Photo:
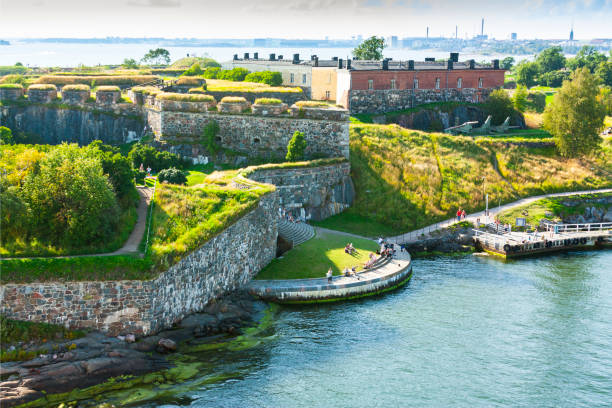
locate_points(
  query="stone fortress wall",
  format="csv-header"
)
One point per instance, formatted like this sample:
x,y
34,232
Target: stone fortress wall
x,y
226,262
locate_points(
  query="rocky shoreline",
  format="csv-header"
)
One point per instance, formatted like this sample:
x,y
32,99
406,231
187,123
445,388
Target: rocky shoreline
x,y
66,365
451,240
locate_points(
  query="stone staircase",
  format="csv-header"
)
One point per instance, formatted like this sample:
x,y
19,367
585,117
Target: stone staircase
x,y
295,232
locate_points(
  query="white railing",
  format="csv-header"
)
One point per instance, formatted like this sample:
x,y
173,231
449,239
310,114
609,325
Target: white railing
x,y
558,228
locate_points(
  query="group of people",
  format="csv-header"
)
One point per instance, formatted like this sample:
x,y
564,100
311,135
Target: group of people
x,y
461,214
350,249
288,216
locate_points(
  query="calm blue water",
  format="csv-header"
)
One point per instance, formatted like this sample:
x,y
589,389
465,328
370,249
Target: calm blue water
x,y
71,55
465,332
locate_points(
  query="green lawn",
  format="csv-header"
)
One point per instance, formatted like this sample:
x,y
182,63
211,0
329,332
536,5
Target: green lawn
x,y
196,174
313,258
348,221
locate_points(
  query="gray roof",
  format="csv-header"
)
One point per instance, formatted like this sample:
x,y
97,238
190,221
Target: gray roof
x,y
369,65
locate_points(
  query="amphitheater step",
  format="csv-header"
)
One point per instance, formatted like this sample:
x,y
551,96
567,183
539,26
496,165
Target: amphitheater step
x,y
297,232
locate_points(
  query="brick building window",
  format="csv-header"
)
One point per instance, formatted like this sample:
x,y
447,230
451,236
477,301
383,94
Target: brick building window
x,y
327,95
393,85
416,84
370,84
459,82
303,78
291,79
437,83
480,82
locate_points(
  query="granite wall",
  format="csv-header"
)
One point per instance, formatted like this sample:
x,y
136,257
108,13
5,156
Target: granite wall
x,y
226,262
54,124
321,191
389,100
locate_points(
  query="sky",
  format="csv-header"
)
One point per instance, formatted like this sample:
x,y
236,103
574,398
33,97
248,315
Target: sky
x,y
303,18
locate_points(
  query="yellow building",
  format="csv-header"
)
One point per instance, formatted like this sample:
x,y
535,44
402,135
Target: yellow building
x,y
324,83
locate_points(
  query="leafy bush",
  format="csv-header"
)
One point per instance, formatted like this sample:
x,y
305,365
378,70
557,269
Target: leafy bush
x,y
76,87
296,147
520,98
42,87
108,88
211,73
11,86
189,61
219,85
195,69
190,80
14,79
265,77
13,69
118,168
6,135
554,78
233,99
209,137
536,101
172,176
234,74
148,156
191,97
268,101
146,90
499,105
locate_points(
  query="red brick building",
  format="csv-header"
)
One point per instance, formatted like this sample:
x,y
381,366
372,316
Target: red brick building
x,y
385,86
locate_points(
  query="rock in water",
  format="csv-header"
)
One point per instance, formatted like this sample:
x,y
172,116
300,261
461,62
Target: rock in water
x,y
167,344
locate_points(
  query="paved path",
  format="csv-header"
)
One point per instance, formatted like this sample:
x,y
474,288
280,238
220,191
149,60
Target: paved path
x,y
414,236
131,245
388,275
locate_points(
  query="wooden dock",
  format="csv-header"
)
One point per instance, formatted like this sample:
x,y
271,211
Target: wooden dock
x,y
556,237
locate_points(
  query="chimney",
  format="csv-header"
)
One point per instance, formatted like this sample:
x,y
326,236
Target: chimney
x,y
454,56
348,64
296,58
495,64
235,57
385,64
246,55
312,57
272,57
430,59
255,55
450,64
335,59
410,65
472,64
316,61
280,57
339,63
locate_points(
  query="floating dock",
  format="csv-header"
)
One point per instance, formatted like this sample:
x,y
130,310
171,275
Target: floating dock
x,y
556,237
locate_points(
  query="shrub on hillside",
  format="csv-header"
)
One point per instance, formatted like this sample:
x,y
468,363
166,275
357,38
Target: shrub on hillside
x,y
190,80
11,86
536,101
76,87
172,176
233,99
14,79
520,98
234,74
118,168
6,135
189,97
194,70
296,147
312,104
265,77
211,73
268,101
499,106
108,88
554,79
209,137
96,80
13,69
148,156
42,87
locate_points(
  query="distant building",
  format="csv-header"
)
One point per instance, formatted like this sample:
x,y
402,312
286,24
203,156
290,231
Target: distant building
x,y
394,41
572,34
513,36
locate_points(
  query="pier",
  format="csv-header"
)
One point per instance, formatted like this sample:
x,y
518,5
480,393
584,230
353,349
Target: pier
x,y
554,238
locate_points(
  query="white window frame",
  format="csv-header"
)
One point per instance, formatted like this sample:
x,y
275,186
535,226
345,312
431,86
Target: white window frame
x,y
393,84
303,78
415,83
459,83
327,95
291,78
480,82
370,84
437,83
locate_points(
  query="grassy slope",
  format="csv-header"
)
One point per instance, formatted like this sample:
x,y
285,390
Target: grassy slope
x,y
407,179
313,258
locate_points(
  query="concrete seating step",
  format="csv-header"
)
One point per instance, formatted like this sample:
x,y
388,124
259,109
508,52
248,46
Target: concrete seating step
x,y
297,233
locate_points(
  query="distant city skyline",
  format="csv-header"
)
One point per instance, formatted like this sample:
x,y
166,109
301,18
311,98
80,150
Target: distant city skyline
x,y
543,19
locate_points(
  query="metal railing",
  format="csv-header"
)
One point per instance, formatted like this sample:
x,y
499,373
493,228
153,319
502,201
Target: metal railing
x,y
558,228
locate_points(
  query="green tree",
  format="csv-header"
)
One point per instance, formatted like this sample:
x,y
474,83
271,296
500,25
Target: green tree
x,y
604,72
6,136
499,105
296,147
130,63
194,70
265,77
118,168
71,198
588,57
526,73
370,49
551,59
520,98
15,214
211,72
575,116
554,78
234,74
158,56
507,63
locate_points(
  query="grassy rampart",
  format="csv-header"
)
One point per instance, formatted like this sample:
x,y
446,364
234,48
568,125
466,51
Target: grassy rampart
x,y
407,179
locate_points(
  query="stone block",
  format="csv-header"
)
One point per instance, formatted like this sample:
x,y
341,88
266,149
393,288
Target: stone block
x,y
238,107
75,97
269,110
107,97
11,94
42,95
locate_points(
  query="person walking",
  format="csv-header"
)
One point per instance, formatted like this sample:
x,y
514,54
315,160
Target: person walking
x,y
463,214
459,215
329,275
